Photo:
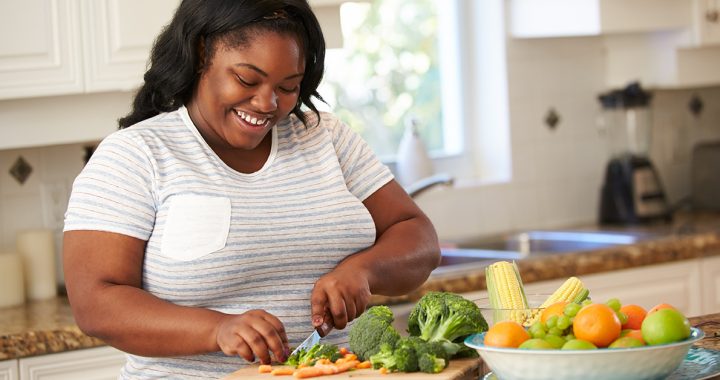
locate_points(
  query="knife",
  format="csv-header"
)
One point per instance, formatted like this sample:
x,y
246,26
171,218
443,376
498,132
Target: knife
x,y
310,341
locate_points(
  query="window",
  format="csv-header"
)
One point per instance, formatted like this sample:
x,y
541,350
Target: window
x,y
441,62
390,71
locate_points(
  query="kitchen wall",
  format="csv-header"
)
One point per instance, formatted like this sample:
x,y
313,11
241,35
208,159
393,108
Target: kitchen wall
x,y
557,172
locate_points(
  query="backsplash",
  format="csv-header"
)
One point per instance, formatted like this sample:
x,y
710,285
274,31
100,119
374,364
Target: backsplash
x,y
556,172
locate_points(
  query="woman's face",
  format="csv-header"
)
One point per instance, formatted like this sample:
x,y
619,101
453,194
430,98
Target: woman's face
x,y
246,90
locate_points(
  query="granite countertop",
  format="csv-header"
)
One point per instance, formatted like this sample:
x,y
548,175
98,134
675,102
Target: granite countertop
x,y
45,327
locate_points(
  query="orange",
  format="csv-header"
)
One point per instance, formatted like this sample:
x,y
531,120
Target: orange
x,y
661,306
554,309
637,334
635,315
598,324
506,334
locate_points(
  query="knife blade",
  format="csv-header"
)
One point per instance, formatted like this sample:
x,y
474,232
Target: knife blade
x,y
310,341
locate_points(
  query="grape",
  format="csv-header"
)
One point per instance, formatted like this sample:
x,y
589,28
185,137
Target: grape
x,y
563,322
622,317
570,336
587,301
571,309
614,304
550,323
539,334
555,331
537,330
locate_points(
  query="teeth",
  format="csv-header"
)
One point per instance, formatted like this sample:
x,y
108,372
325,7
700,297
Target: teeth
x,y
251,119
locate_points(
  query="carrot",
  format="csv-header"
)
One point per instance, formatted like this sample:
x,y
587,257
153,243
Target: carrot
x,y
264,368
365,364
344,351
383,371
340,361
350,357
282,372
306,372
344,367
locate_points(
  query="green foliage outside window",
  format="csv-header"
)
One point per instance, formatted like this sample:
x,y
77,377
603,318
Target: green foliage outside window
x,y
387,72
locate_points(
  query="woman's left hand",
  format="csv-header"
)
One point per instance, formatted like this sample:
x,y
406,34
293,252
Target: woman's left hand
x,y
339,297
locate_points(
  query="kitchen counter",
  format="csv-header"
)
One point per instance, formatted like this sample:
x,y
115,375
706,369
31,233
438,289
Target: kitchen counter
x,y
46,327
689,236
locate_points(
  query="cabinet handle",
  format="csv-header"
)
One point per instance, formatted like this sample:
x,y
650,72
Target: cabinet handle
x,y
712,15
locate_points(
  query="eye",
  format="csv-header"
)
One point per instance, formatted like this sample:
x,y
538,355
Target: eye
x,y
244,82
289,90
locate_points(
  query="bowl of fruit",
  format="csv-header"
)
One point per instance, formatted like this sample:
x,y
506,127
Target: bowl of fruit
x,y
574,337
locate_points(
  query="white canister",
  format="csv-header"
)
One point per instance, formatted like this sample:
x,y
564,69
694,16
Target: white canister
x,y
12,287
37,249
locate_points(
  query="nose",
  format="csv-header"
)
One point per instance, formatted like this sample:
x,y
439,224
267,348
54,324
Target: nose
x,y
265,99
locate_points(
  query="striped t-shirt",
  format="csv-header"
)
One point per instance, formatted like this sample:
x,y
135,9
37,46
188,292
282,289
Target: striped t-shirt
x,y
229,241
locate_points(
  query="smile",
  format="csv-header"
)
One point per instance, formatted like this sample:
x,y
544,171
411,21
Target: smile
x,y
251,119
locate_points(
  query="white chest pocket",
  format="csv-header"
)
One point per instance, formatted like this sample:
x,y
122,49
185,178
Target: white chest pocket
x,y
195,226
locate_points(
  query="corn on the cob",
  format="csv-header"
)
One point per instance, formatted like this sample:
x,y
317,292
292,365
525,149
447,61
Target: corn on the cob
x,y
572,290
506,292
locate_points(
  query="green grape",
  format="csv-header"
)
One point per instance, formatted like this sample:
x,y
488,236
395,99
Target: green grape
x,y
563,322
550,323
570,336
555,331
539,334
587,301
537,328
571,309
622,317
614,304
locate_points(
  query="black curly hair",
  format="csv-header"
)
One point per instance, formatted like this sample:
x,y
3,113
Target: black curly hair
x,y
175,60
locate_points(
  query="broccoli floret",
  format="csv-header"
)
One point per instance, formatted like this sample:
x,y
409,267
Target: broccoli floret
x,y
371,330
447,318
430,363
402,358
313,354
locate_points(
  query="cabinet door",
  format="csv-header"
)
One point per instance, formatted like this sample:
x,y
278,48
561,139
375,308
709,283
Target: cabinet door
x,y
40,51
118,36
711,285
102,363
707,22
9,370
675,283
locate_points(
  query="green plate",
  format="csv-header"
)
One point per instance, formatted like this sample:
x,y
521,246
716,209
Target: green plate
x,y
699,364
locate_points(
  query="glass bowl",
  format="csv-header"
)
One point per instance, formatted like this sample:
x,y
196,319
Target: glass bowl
x,y
523,316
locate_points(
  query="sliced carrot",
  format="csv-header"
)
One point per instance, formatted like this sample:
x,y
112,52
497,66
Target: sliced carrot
x,y
350,357
344,367
340,361
323,361
383,371
365,364
282,372
343,351
265,368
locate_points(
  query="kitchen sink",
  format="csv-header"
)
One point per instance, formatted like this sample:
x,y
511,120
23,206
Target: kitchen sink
x,y
519,245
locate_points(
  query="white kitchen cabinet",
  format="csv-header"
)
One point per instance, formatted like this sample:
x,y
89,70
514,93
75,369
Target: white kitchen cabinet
x,y
711,285
102,363
9,370
706,21
60,47
562,18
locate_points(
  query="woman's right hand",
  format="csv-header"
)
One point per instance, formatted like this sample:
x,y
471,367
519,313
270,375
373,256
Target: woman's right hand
x,y
253,334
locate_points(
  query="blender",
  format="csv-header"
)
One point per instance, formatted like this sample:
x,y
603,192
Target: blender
x,y
631,192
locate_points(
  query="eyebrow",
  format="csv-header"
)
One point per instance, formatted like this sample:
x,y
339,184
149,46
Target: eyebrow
x,y
259,71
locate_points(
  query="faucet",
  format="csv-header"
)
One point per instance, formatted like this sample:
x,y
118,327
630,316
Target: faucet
x,y
426,183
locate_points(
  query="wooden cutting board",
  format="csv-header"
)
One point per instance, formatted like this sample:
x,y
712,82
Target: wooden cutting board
x,y
460,369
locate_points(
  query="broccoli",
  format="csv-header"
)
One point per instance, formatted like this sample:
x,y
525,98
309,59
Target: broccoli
x,y
446,318
313,354
371,330
430,363
402,358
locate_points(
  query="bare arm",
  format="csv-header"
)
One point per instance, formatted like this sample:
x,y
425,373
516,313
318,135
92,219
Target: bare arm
x,y
405,252
103,275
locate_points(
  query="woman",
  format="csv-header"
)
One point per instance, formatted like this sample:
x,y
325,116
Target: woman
x,y
222,223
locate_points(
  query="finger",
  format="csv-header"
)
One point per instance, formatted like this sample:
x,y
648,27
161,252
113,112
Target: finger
x,y
327,324
242,349
338,310
318,304
275,337
257,344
